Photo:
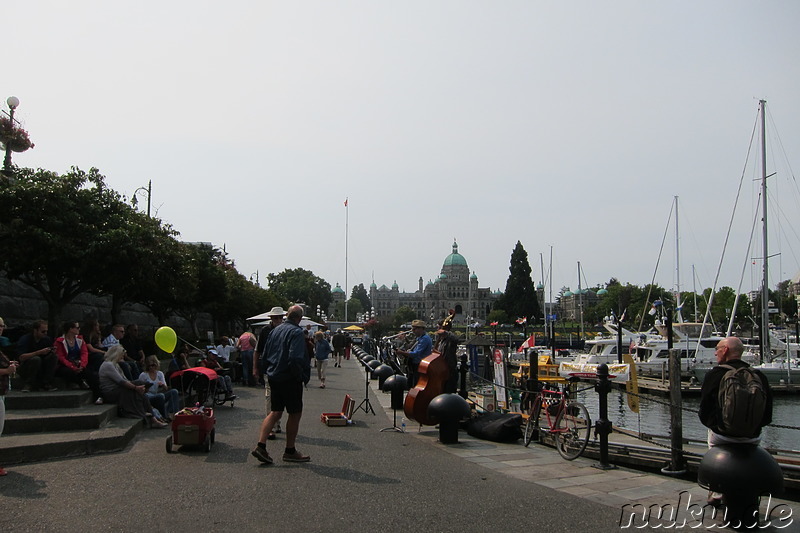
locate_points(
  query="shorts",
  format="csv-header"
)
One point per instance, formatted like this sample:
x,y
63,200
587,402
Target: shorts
x,y
286,396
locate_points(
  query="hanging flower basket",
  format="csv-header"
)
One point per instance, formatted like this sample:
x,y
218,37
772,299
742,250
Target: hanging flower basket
x,y
13,137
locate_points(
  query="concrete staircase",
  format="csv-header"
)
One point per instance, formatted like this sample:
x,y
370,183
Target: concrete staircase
x,y
51,425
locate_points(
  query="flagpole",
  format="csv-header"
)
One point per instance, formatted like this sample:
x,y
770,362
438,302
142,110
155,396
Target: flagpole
x,y
346,233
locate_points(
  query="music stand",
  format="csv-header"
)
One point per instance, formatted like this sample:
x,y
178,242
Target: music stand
x,y
365,404
396,384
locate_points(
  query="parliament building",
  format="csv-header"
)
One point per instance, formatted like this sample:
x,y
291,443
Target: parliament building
x,y
454,288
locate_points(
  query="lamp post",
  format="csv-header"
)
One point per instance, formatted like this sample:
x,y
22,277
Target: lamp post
x,y
13,103
148,190
255,275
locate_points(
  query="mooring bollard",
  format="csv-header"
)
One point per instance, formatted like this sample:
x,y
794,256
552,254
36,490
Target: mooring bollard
x,y
448,409
603,424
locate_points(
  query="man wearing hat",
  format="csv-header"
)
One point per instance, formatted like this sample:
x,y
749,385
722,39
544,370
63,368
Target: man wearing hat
x,y
275,316
421,349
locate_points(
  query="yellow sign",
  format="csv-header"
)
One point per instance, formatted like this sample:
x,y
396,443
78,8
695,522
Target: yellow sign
x,y
633,385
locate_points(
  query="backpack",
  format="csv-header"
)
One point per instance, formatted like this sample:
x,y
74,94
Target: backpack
x,y
742,401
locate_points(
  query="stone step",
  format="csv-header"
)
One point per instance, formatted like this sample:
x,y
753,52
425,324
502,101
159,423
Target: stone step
x,y
16,400
31,447
86,417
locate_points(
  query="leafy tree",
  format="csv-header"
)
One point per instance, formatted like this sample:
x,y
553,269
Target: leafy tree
x,y
301,286
403,315
148,266
63,234
499,316
519,298
353,307
360,294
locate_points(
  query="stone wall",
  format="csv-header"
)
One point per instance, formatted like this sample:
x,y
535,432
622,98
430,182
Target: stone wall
x,y
20,305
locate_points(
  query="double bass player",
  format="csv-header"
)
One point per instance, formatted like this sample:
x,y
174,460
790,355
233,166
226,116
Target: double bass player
x,y
421,349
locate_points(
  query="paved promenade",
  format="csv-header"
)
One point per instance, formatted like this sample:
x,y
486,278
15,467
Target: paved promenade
x,y
359,479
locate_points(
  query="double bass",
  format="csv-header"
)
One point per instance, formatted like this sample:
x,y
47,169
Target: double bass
x,y
433,374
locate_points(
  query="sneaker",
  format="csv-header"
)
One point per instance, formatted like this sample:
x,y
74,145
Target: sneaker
x,y
262,455
229,398
296,457
99,401
322,386
271,436
277,428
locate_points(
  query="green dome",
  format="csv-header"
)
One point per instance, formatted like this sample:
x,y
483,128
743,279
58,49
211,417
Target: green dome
x,y
373,286
602,292
455,259
338,289
473,276
394,285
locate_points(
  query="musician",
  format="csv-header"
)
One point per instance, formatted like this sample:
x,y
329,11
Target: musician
x,y
421,349
447,345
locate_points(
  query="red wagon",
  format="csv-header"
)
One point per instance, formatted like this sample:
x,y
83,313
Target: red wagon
x,y
193,426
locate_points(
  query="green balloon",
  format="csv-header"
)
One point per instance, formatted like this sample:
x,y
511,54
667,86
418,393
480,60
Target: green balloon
x,y
166,339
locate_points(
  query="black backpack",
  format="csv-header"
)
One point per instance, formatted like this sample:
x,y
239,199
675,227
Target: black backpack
x,y
742,402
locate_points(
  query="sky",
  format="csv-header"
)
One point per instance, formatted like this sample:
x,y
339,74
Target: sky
x,y
567,126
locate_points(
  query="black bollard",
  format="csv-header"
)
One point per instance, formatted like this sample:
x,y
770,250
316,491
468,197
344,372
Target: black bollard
x,y
448,409
383,372
603,424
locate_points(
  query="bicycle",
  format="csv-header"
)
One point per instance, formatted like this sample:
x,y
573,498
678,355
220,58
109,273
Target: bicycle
x,y
568,422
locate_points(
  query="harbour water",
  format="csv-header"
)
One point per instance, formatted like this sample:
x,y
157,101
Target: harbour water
x,y
654,417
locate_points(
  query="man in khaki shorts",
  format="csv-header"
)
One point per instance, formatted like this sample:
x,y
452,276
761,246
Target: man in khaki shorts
x,y
275,315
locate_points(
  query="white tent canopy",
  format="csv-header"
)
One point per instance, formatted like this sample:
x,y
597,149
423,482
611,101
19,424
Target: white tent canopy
x,y
263,319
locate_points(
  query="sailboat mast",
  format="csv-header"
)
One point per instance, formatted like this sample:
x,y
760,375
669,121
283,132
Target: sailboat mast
x,y
580,299
677,266
346,236
552,322
765,353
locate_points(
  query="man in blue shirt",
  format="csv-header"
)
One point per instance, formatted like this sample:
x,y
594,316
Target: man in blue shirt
x,y
288,369
420,351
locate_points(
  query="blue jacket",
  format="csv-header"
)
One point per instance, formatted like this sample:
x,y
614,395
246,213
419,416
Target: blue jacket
x,y
422,349
286,354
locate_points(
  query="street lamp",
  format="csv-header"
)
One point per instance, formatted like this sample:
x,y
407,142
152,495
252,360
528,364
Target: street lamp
x,y
13,103
148,190
255,275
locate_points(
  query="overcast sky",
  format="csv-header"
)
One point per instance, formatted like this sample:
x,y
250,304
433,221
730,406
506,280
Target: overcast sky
x,y
565,125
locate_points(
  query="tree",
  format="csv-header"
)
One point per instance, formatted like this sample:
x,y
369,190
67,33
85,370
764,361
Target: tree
x,y
499,316
403,315
360,294
301,286
63,234
353,307
519,298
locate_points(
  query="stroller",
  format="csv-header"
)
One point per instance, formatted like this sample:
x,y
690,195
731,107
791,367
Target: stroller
x,y
198,386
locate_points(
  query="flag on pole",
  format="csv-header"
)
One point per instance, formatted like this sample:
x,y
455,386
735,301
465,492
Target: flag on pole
x,y
345,202
530,342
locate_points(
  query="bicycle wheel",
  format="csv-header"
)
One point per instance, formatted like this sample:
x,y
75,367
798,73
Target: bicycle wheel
x,y
572,431
532,426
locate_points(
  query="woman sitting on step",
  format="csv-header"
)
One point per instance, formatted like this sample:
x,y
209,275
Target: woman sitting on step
x,y
129,395
161,397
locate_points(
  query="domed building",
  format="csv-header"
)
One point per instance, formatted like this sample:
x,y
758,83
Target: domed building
x,y
454,288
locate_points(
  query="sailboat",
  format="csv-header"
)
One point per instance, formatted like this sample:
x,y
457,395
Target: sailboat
x,y
777,371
